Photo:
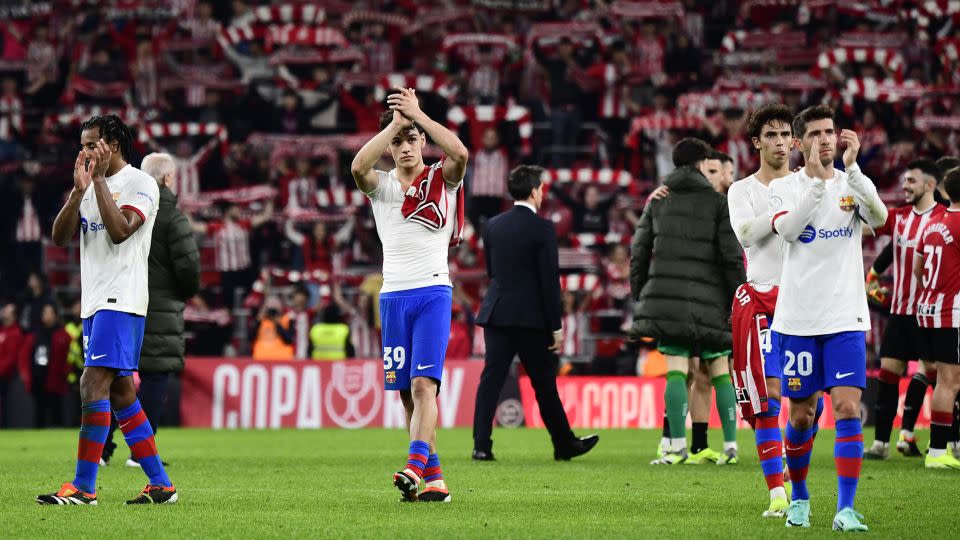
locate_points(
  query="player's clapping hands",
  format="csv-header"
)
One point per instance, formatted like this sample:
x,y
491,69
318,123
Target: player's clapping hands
x,y
82,173
405,102
813,166
101,160
852,141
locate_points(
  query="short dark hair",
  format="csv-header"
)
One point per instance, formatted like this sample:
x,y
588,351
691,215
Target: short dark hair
x,y
810,114
928,167
387,116
951,184
300,288
716,154
766,114
690,151
946,163
523,180
112,130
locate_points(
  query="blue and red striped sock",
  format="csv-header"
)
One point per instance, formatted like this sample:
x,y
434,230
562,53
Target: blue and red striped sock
x,y
799,447
848,455
770,444
816,416
138,433
418,456
94,427
432,472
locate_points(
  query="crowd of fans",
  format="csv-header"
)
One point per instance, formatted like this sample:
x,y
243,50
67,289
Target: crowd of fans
x,y
263,104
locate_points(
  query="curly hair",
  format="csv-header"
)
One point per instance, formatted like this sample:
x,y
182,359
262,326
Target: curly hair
x,y
112,129
767,114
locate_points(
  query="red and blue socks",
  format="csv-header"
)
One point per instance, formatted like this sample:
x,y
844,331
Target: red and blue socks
x,y
94,426
799,448
138,433
432,472
418,456
770,444
848,456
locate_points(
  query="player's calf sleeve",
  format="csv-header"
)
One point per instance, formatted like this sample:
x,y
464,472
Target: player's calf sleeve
x,y
799,445
675,399
726,406
817,415
94,426
138,433
418,456
888,393
848,456
913,401
770,444
432,472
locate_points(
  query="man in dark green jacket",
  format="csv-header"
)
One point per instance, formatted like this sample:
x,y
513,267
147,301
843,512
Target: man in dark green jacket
x,y
686,265
173,277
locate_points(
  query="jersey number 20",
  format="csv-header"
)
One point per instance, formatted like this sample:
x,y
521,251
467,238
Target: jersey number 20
x,y
802,363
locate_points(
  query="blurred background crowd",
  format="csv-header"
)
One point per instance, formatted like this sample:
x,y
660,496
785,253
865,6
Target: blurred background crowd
x,y
264,104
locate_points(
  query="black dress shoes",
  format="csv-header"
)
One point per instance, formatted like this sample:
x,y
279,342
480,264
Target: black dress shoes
x,y
576,447
480,455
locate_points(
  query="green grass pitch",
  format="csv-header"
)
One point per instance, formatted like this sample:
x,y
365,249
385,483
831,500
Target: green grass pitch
x,y
337,484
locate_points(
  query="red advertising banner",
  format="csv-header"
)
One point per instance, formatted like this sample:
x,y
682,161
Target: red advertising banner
x,y
242,393
637,402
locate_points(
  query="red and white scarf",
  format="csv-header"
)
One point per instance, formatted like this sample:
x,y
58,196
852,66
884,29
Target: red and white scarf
x,y
426,202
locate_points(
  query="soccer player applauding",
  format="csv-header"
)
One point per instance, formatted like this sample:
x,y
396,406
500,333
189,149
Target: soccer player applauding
x,y
821,312
938,313
114,206
416,209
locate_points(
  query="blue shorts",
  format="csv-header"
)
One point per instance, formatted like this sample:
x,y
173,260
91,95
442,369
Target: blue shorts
x,y
772,364
112,339
814,363
415,328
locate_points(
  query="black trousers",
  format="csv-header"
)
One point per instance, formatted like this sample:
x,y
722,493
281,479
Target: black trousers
x,y
152,396
541,365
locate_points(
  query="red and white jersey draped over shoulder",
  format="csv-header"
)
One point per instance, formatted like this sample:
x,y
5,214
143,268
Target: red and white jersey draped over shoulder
x,y
904,225
938,303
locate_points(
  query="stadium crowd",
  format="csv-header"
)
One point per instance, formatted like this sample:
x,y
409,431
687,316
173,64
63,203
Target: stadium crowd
x,y
264,104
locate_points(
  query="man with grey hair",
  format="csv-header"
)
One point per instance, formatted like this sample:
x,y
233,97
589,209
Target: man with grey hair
x,y
173,277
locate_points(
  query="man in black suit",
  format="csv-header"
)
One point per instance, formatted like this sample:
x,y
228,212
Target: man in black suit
x,y
520,315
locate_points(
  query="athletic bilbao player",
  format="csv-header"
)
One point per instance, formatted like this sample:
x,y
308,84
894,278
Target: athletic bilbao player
x,y
821,312
937,266
753,306
902,339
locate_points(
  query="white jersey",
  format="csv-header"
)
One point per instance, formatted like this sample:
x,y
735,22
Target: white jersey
x,y
114,276
749,205
821,287
413,255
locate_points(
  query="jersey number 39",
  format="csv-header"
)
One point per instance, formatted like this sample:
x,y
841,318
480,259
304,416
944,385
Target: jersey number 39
x,y
394,354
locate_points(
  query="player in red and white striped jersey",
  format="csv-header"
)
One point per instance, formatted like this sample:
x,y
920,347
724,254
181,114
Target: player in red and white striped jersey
x,y
937,265
902,340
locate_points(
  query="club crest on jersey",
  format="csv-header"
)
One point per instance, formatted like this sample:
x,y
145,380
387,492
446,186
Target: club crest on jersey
x,y
116,196
847,204
391,377
793,383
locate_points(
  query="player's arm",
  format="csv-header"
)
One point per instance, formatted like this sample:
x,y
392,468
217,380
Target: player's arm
x,y
731,255
362,166
120,222
641,250
791,214
455,165
748,227
870,205
68,220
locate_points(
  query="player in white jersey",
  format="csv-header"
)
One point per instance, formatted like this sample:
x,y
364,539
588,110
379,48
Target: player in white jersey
x,y
114,206
770,131
821,313
415,208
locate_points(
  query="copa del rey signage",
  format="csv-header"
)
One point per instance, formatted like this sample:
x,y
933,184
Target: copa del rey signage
x,y
236,393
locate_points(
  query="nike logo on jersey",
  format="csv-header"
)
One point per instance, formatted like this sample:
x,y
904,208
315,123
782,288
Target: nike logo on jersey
x,y
842,375
96,357
425,367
